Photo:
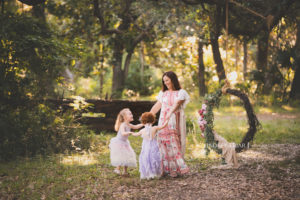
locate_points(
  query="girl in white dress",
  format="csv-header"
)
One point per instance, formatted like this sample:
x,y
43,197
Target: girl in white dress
x,y
121,153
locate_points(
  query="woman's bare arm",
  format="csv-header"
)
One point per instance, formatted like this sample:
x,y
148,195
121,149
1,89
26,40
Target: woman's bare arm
x,y
156,107
174,108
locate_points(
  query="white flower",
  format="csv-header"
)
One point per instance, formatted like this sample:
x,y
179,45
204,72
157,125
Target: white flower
x,y
202,122
200,118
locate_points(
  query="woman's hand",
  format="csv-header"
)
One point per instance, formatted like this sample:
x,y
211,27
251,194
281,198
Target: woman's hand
x,y
168,116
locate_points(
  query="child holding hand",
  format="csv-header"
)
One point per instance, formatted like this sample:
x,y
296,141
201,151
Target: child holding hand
x,y
121,153
149,159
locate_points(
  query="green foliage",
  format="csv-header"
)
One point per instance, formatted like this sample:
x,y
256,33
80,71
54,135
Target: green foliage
x,y
211,101
144,82
32,60
39,130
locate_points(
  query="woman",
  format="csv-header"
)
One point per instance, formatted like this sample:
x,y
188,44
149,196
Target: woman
x,y
171,100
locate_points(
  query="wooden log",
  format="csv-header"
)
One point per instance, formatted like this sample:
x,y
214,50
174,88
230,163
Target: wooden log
x,y
110,110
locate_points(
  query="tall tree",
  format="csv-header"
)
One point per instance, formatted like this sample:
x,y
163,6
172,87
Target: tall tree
x,y
201,70
245,60
126,33
263,16
262,60
295,90
215,32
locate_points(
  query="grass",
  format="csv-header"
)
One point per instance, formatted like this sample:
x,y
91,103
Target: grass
x,y
278,124
88,175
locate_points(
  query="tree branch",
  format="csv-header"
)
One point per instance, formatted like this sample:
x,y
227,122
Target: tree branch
x,y
143,34
98,14
197,2
126,7
272,18
32,2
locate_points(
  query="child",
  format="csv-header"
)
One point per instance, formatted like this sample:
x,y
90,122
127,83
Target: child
x,y
121,153
150,160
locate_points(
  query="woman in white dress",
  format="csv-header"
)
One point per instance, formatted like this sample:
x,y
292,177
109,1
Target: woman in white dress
x,y
171,102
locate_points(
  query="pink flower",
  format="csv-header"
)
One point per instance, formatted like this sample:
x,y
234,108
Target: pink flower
x,y
200,112
202,128
202,122
200,118
204,107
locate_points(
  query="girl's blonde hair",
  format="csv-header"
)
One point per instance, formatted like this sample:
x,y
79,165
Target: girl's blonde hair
x,y
120,118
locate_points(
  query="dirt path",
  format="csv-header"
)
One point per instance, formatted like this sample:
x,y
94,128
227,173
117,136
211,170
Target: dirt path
x,y
266,172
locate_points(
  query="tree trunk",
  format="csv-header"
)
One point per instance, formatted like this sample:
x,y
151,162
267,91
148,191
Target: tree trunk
x,y
245,59
262,52
237,55
217,56
295,90
201,71
38,11
118,73
2,6
262,61
101,76
142,60
127,63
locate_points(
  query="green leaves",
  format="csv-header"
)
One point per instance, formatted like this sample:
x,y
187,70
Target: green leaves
x,y
211,100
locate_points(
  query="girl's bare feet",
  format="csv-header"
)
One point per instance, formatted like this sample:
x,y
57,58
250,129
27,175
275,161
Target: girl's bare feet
x,y
117,171
126,174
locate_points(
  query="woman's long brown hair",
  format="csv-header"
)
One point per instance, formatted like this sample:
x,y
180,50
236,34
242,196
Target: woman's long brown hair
x,y
174,81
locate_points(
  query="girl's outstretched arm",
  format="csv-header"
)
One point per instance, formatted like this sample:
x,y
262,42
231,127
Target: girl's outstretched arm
x,y
157,128
162,126
138,133
123,132
136,126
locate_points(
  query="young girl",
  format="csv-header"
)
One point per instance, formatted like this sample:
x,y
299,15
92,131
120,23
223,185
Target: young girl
x,y
150,160
121,153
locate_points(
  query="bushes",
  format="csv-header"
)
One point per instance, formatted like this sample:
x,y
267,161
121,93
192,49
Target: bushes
x,y
39,130
31,62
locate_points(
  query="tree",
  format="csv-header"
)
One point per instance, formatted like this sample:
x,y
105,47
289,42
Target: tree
x,y
32,59
294,16
129,29
264,16
201,70
215,31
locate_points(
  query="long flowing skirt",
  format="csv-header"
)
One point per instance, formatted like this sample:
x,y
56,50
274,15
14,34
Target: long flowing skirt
x,y
121,153
172,160
150,160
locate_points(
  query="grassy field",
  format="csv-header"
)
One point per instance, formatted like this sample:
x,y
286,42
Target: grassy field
x,y
88,175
